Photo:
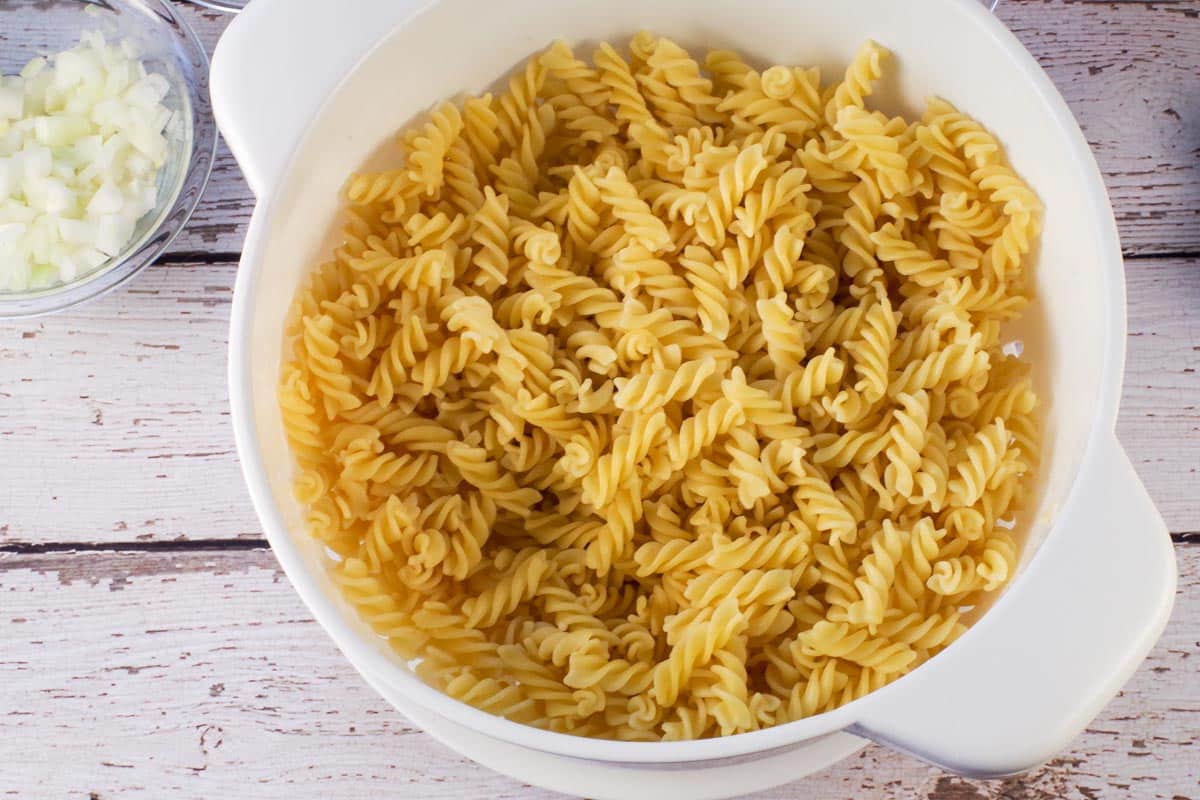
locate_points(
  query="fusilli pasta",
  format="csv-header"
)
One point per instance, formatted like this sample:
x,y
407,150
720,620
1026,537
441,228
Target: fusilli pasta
x,y
662,398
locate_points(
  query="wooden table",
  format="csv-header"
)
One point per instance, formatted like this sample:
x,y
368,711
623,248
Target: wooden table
x,y
151,648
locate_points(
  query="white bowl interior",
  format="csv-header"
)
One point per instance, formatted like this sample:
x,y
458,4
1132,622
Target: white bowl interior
x,y
941,47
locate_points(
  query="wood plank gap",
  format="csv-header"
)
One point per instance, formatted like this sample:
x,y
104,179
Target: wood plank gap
x,y
1186,538
191,545
200,257
209,545
1183,255
233,257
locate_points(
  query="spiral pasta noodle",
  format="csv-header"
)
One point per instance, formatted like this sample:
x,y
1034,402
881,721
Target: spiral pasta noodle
x,y
659,397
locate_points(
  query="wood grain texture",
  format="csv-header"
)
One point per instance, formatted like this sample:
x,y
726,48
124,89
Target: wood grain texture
x,y
120,409
1129,71
201,675
170,658
1131,74
218,225
1160,404
129,392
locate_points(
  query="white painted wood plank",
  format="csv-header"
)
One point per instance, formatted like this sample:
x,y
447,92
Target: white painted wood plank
x,y
200,675
114,419
118,418
219,223
1128,71
1160,406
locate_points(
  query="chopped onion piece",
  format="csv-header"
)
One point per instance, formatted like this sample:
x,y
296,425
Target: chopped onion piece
x,y
7,177
112,233
10,234
33,68
68,267
12,102
91,257
106,200
61,130
36,160
77,231
56,197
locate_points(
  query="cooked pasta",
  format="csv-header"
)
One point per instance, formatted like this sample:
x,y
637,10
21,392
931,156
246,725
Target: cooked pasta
x,y
663,398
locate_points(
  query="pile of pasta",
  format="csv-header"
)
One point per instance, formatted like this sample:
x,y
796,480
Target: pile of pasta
x,y
651,399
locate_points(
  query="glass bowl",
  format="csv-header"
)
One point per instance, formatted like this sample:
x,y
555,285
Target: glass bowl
x,y
166,45
228,6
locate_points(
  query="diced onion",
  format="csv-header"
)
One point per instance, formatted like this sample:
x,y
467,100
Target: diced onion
x,y
82,142
12,101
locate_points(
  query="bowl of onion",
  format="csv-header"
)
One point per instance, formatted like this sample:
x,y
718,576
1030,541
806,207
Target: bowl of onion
x,y
106,144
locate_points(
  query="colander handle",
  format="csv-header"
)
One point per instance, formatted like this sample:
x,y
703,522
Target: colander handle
x,y
1071,629
276,64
